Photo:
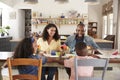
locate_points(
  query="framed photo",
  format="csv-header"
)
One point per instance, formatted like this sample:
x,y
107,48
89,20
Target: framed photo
x,y
34,14
85,16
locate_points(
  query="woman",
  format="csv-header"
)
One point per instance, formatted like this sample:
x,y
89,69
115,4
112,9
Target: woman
x,y
50,41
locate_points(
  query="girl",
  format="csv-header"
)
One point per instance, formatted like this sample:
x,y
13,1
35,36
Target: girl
x,y
27,49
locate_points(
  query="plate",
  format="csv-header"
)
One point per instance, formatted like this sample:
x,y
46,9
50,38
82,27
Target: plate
x,y
49,55
66,55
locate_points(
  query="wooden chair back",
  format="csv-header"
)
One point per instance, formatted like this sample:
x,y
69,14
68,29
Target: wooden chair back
x,y
24,61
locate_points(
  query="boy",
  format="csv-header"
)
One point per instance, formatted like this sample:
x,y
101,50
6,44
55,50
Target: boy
x,y
81,53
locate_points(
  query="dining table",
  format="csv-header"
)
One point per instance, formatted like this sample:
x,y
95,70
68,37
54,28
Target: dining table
x,y
114,59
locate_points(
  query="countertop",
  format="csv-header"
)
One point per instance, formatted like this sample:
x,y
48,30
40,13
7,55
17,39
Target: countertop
x,y
96,40
15,40
102,41
1,37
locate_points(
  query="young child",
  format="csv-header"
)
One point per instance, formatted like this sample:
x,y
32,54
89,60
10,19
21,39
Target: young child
x,y
27,48
81,53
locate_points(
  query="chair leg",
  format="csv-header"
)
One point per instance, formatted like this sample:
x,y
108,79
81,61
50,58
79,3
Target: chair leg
x,y
56,75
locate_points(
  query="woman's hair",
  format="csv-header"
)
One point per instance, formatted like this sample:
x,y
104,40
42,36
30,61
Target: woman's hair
x,y
45,34
81,24
24,49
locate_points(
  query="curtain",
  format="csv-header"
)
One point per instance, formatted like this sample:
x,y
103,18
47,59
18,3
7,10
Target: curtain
x,y
107,8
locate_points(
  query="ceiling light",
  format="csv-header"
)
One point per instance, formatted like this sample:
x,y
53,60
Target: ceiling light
x,y
31,1
92,2
61,1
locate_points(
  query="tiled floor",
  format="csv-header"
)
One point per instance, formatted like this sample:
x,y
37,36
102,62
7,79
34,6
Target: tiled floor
x,y
110,75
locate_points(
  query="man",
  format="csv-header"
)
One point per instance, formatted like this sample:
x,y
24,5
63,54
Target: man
x,y
79,37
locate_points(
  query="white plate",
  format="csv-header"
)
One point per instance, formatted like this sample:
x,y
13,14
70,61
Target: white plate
x,y
49,55
66,55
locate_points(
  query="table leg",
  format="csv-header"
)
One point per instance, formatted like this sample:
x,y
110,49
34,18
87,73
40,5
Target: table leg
x,y
1,63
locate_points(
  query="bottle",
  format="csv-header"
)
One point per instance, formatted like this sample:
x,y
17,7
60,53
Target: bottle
x,y
62,16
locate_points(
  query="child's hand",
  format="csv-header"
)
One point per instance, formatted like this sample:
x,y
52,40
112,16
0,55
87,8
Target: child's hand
x,y
94,56
41,53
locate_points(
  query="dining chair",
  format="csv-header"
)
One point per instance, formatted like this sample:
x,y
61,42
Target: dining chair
x,y
91,62
24,61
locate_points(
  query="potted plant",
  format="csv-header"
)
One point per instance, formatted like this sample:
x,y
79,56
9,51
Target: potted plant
x,y
4,30
7,28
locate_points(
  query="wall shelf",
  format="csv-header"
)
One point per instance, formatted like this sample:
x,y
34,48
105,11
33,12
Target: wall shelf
x,y
58,21
92,29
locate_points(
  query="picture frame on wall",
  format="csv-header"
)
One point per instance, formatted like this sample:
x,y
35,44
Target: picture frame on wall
x,y
34,14
85,16
0,17
12,15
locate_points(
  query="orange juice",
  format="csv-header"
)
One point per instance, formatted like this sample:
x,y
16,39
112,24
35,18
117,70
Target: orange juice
x,y
38,47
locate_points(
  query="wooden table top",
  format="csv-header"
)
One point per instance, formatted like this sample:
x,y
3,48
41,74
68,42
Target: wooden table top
x,y
5,55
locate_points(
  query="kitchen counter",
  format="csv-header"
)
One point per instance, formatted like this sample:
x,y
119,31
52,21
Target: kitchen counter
x,y
15,40
14,43
1,37
102,41
5,43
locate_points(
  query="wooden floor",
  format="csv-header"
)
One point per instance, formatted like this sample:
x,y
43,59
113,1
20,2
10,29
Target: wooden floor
x,y
110,75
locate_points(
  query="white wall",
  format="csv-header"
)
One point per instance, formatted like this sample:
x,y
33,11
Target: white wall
x,y
54,9
8,2
21,23
118,24
67,29
16,31
95,15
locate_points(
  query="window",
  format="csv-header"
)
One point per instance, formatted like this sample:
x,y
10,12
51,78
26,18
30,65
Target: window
x,y
104,33
107,25
110,24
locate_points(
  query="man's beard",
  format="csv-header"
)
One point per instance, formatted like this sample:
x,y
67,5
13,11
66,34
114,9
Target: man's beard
x,y
80,35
